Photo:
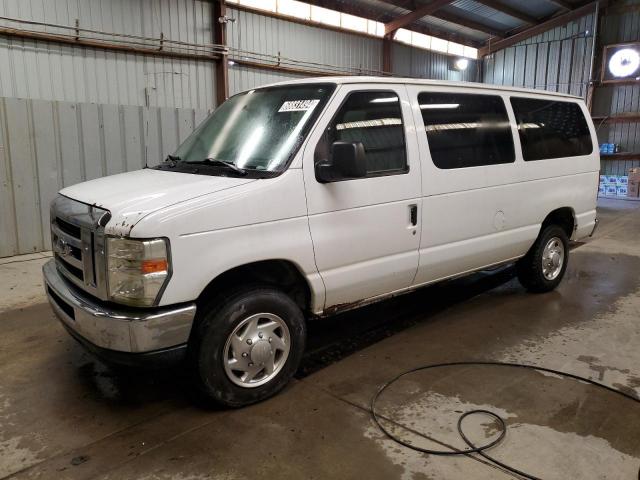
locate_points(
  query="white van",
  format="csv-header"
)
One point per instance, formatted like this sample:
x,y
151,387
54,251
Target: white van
x,y
309,198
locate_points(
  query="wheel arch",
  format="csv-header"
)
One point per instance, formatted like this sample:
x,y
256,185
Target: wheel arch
x,y
280,273
564,217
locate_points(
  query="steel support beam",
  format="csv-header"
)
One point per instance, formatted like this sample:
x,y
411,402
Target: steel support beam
x,y
465,22
364,13
563,4
220,38
495,45
435,11
417,14
387,55
512,12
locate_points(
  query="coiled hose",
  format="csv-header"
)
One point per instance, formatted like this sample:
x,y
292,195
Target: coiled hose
x,y
480,450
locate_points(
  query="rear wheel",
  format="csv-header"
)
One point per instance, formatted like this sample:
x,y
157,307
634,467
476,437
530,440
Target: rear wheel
x,y
542,268
247,347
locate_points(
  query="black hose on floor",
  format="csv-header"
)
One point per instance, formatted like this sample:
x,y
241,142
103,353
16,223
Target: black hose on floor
x,y
481,450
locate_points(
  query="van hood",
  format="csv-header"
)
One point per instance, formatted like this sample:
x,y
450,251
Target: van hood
x,y
132,196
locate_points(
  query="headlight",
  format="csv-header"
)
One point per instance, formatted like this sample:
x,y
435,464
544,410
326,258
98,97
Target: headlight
x,y
136,270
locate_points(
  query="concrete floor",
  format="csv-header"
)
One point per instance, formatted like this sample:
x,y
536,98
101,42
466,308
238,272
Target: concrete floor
x,y
64,415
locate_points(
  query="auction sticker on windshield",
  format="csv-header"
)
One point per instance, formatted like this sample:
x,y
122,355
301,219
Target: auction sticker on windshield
x,y
298,105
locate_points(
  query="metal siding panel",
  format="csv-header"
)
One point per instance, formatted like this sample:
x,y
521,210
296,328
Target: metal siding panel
x,y
564,73
112,139
133,146
46,152
555,60
8,230
24,175
520,66
153,152
47,145
243,78
420,63
82,74
271,36
72,164
169,130
185,124
553,68
498,74
489,66
530,66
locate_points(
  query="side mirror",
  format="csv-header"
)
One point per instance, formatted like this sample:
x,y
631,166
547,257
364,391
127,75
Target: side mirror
x,y
347,161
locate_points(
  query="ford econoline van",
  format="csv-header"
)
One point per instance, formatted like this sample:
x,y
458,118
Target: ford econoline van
x,y
309,198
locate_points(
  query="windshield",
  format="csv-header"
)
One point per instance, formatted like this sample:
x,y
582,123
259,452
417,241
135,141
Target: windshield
x,y
258,130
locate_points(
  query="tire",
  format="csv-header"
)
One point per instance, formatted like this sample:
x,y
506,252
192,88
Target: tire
x,y
226,336
533,274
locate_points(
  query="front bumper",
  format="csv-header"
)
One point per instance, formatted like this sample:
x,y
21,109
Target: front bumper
x,y
115,329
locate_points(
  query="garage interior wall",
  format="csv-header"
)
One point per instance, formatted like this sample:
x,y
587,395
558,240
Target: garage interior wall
x,y
618,26
268,38
559,60
52,71
69,114
72,113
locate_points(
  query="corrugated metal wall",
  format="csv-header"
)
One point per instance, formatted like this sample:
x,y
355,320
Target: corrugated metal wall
x,y
557,60
46,145
243,78
618,27
68,114
415,62
273,36
49,71
262,34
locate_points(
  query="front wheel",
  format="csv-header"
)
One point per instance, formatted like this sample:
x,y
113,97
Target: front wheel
x,y
543,267
248,347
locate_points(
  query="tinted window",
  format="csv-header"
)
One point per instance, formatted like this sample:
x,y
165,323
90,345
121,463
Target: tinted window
x,y
466,130
550,129
375,119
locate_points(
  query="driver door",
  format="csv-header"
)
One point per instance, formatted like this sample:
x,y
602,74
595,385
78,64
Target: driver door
x,y
366,231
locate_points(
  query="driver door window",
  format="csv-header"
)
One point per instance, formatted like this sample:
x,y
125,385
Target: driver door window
x,y
375,120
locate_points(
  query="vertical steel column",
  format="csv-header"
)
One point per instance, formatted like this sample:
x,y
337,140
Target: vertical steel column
x,y
220,38
387,60
591,84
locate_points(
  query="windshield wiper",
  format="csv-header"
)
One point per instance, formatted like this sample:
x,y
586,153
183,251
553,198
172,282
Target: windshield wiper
x,y
221,163
172,160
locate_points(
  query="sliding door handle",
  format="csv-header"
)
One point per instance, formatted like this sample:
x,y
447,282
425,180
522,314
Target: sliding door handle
x,y
413,214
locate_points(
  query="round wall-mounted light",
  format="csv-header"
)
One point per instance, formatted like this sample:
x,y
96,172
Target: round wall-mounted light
x,y
624,62
461,64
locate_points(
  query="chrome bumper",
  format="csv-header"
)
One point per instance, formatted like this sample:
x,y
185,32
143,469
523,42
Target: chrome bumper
x,y
113,328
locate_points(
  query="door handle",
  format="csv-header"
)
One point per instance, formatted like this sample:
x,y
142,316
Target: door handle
x,y
413,214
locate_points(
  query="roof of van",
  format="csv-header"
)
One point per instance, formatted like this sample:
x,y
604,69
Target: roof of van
x,y
419,81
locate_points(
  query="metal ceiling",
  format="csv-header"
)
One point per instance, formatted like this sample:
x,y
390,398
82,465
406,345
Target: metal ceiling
x,y
475,21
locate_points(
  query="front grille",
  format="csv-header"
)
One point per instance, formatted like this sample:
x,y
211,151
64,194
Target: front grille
x,y
68,228
77,236
75,271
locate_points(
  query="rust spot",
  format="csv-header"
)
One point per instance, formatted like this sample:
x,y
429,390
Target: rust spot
x,y
343,307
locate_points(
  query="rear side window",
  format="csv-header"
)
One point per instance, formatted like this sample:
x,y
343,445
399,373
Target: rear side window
x,y
466,130
375,119
550,129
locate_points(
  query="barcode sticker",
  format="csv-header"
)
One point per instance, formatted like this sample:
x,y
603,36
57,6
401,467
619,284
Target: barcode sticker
x,y
298,105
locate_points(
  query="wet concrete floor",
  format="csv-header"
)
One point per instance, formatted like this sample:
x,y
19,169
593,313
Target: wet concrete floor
x,y
64,415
